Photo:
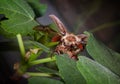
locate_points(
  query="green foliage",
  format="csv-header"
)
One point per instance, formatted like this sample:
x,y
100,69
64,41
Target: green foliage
x,y
38,8
103,54
42,80
86,70
103,69
68,70
95,73
39,45
20,17
46,70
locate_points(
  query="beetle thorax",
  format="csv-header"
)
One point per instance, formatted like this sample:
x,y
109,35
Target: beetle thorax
x,y
70,39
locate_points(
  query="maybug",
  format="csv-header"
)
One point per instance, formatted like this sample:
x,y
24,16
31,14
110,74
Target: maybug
x,y
69,43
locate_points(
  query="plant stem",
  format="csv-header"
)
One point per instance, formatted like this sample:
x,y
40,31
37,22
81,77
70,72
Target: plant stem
x,y
38,74
42,61
105,25
21,45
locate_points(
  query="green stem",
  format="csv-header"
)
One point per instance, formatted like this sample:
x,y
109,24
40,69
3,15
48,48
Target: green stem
x,y
38,74
21,45
104,26
50,59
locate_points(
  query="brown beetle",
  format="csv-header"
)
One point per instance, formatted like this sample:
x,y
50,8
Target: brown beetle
x,y
69,43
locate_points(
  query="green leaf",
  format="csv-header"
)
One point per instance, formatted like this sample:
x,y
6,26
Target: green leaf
x,y
39,45
5,33
103,54
33,56
51,44
68,70
38,8
20,17
95,73
42,80
46,70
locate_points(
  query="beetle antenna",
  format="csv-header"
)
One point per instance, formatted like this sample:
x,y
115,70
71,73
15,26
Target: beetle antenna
x,y
60,25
